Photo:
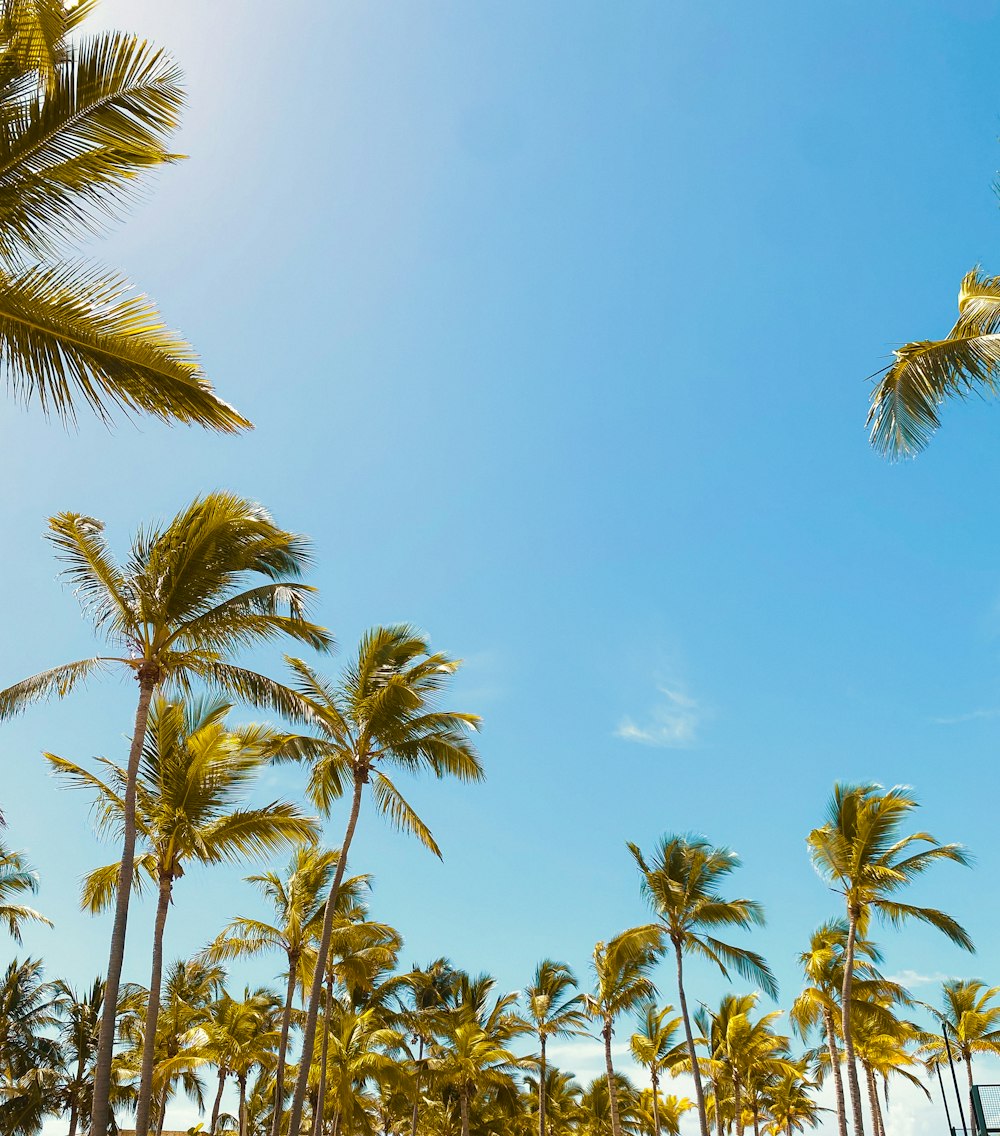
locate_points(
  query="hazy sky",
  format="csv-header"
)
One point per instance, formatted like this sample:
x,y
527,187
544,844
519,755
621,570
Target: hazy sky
x,y
555,321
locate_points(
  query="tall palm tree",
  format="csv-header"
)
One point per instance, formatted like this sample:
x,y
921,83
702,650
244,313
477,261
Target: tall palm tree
x,y
188,596
431,989
653,1045
82,116
554,1010
17,879
904,405
381,715
621,973
886,1047
194,772
298,900
791,1106
972,1020
861,851
681,882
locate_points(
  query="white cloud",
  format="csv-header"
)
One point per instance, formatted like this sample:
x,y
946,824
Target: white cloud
x,y
673,724
972,716
911,978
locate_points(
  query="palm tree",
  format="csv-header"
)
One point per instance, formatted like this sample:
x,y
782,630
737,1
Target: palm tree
x,y
861,852
381,715
17,879
622,982
904,405
185,600
28,1056
662,1114
681,882
596,1109
83,116
791,1106
431,989
973,1024
819,1002
470,1060
653,1046
298,902
195,769
554,1010
562,1101
885,1046
79,1026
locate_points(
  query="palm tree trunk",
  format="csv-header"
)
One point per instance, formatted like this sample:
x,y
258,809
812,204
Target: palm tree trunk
x,y
148,678
695,1073
217,1106
737,1105
845,1011
541,1089
972,1111
243,1104
73,1119
286,1019
316,994
838,1080
465,1110
162,1115
616,1127
416,1086
324,1049
152,1010
656,1099
873,1098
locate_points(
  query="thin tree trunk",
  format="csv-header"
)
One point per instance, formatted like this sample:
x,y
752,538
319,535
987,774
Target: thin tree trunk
x,y
217,1106
72,1119
972,1111
616,1128
695,1073
286,1019
654,1078
152,1011
316,994
324,1049
737,1105
243,1104
845,1011
873,1099
416,1085
465,1110
99,1113
541,1089
162,1118
838,1080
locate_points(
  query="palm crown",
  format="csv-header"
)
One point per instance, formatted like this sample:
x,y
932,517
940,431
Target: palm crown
x,y
80,118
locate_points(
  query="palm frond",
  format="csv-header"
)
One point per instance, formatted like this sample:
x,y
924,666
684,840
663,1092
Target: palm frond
x,y
58,681
390,802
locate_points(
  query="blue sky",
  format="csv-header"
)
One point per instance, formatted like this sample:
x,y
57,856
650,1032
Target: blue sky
x,y
555,321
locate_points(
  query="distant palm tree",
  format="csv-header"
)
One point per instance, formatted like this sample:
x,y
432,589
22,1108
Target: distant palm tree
x,y
188,596
431,989
681,882
904,405
29,1056
554,1010
470,1060
654,1045
791,1105
622,982
298,898
17,879
84,115
562,1101
79,1027
972,1019
194,772
861,851
596,1116
381,715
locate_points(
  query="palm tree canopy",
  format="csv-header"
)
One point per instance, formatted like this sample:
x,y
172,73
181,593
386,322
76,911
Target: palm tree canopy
x,y
862,852
81,117
187,596
553,1005
904,407
17,879
681,881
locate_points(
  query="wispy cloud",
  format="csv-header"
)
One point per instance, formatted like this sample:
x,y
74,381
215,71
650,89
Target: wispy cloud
x,y
911,978
672,724
972,716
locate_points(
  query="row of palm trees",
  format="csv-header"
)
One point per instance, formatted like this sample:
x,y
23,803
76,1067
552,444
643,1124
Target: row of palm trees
x,y
743,1070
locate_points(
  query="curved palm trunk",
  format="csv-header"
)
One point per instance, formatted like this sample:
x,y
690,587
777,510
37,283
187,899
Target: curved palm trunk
x,y
465,1110
320,1116
316,993
656,1099
616,1127
698,1092
845,1011
286,1020
838,1080
99,1113
541,1089
416,1087
152,1011
217,1106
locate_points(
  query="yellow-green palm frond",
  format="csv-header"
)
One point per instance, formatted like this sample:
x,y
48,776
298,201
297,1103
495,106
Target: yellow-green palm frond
x,y
58,681
70,332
